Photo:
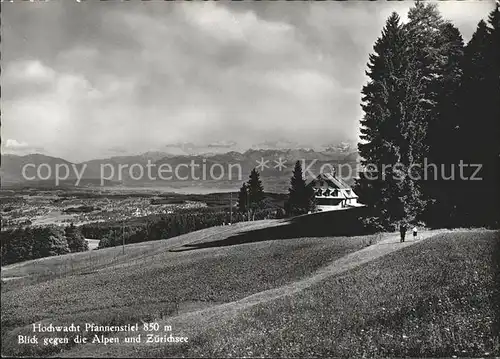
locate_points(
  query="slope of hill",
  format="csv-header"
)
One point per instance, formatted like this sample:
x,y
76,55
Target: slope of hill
x,y
322,296
150,282
440,297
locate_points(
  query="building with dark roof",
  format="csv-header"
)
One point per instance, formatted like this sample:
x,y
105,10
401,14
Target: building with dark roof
x,y
332,193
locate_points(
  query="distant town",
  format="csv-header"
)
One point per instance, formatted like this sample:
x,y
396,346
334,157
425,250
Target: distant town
x,y
59,207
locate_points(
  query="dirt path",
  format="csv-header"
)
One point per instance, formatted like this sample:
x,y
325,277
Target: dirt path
x,y
189,323
387,245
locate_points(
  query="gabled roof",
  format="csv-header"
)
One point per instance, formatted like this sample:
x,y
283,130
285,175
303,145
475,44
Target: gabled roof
x,y
331,180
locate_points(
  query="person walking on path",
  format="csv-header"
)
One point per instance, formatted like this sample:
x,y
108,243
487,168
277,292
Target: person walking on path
x,y
402,231
415,232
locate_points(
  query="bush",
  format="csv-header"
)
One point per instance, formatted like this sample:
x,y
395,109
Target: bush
x,y
75,239
22,244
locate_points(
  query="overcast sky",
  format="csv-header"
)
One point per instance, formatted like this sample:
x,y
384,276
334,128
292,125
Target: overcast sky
x,y
94,79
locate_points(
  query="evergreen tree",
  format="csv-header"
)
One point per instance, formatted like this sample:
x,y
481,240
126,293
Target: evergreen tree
x,y
494,179
75,239
381,136
479,129
414,78
426,55
243,198
300,197
441,185
255,192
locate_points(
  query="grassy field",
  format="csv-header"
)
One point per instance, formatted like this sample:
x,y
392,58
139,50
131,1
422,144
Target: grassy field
x,y
154,281
109,258
437,298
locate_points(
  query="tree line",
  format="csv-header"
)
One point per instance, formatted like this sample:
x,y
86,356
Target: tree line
x,y
300,200
431,123
32,242
253,204
26,243
170,225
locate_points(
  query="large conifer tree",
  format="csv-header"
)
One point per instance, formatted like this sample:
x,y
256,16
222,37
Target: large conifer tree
x,y
431,102
380,127
480,126
441,183
300,196
243,198
427,55
414,70
255,192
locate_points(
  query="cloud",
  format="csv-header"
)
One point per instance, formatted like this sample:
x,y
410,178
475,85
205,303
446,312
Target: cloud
x,y
301,83
222,144
19,147
465,15
82,79
14,145
226,26
29,71
61,111
117,150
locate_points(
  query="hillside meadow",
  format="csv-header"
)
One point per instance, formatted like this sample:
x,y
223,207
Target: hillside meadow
x,y
439,297
154,281
435,297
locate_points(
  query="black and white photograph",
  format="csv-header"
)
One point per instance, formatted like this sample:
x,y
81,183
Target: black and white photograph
x,y
250,179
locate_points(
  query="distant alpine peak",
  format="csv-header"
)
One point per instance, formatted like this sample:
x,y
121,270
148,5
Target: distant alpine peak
x,y
343,147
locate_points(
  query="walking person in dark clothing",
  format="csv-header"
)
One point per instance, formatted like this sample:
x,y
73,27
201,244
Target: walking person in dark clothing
x,y
402,231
